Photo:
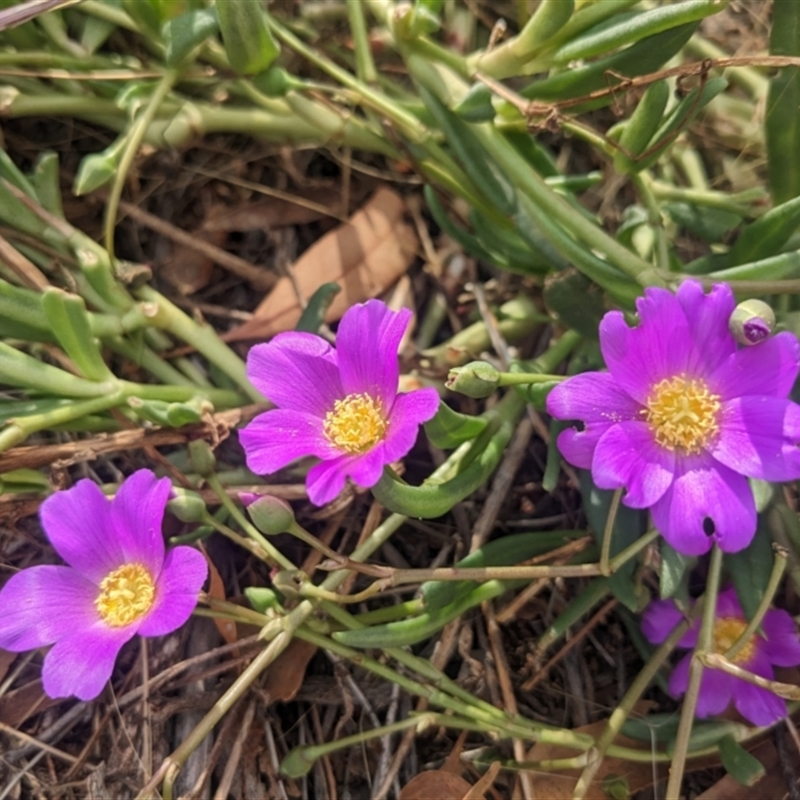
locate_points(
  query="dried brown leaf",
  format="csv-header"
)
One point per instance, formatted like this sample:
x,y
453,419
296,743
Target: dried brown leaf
x,y
285,676
364,256
434,783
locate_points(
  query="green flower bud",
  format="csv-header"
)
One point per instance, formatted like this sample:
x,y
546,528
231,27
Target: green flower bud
x,y
477,379
202,456
187,506
752,322
261,598
271,515
289,582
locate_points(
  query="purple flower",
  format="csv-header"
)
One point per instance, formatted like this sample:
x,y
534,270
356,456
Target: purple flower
x,y
119,582
779,646
684,416
340,406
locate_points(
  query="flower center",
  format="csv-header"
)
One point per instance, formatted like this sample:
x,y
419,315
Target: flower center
x,y
356,423
726,631
126,594
683,414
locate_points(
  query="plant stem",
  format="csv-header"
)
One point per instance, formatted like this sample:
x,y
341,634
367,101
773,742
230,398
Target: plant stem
x,y
704,645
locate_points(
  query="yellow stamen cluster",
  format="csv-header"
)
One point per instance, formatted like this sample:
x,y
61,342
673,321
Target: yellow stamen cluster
x,y
126,594
356,423
726,631
683,414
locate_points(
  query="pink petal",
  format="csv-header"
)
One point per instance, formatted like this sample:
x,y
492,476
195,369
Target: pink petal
x,y
659,620
41,604
781,644
706,502
728,604
409,411
325,480
276,438
769,368
366,470
79,525
578,447
592,397
707,315
297,371
679,677
184,573
367,342
758,437
716,689
627,456
758,705
137,513
659,347
82,663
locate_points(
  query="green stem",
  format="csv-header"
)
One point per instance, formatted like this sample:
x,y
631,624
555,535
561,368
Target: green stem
x,y
365,66
626,706
517,378
642,182
608,533
135,138
778,568
202,337
704,645
253,532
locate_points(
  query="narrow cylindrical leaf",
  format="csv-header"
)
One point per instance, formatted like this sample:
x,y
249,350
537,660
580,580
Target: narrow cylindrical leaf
x,y
641,127
249,45
69,321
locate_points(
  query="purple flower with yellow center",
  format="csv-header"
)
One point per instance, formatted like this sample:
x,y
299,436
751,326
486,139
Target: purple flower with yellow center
x,y
340,405
119,582
684,416
777,645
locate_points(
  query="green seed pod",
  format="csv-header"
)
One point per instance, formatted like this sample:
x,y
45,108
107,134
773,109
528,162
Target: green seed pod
x,y
752,322
476,379
271,515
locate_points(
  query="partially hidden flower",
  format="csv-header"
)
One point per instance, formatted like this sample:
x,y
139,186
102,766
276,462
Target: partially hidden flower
x,y
777,645
339,405
684,416
119,582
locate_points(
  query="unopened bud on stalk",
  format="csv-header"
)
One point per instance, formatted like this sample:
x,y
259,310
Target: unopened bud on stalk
x,y
752,322
269,514
187,506
477,379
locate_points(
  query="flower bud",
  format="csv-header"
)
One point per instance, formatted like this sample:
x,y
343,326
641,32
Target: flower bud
x,y
261,598
202,457
187,506
752,322
270,515
477,379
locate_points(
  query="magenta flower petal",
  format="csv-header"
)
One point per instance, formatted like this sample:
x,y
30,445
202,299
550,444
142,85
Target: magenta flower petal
x,y
365,471
182,577
326,480
659,620
297,371
592,397
409,411
77,523
759,437
41,603
716,690
759,706
276,438
627,456
367,343
82,664
707,316
706,502
659,347
343,409
118,583
769,369
137,513
679,677
686,395
781,644
728,604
